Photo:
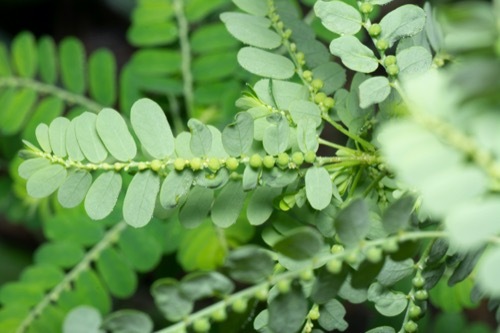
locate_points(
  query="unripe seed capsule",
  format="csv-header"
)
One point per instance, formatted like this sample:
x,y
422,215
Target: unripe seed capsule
x,y
411,326
307,74
300,56
329,102
390,60
418,281
255,161
319,97
214,164
201,325
366,8
298,158
310,156
382,45
232,163
239,305
334,266
283,160
392,70
415,312
306,275
179,164
337,248
287,33
284,286
195,164
262,294
142,166
374,255
317,84
155,165
421,295
219,314
314,313
390,246
374,30
268,161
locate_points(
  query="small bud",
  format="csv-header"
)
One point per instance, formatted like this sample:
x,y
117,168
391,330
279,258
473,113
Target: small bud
x,y
307,75
232,163
283,160
319,97
389,60
240,305
421,295
268,161
284,286
214,164
334,266
374,255
392,70
298,158
195,164
374,30
310,156
314,313
156,165
411,326
255,161
382,44
201,325
329,102
317,84
366,8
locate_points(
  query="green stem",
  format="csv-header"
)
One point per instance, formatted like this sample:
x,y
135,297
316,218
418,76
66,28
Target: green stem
x,y
335,145
367,145
49,89
108,239
187,76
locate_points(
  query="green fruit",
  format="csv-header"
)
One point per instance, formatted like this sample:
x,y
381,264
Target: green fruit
x,y
374,255
392,70
307,75
219,314
319,97
390,60
155,165
366,8
298,158
262,294
307,275
421,295
284,286
310,157
329,102
418,281
317,84
255,161
382,44
314,313
352,258
214,164
337,248
179,164
142,166
232,163
390,246
374,30
283,160
334,266
300,56
195,164
240,305
415,312
411,326
201,325
268,161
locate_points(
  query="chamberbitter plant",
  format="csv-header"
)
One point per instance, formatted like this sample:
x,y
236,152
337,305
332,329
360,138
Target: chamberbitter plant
x,y
403,210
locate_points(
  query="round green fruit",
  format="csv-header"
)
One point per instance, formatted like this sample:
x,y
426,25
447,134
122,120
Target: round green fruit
x,y
179,164
317,84
310,156
411,326
382,44
319,97
329,102
195,164
307,275
283,160
421,295
240,305
374,30
214,164
262,294
418,281
366,8
284,286
374,255
415,312
219,314
255,161
390,60
201,325
268,161
298,158
232,163
390,246
392,70
314,313
334,266
155,165
307,75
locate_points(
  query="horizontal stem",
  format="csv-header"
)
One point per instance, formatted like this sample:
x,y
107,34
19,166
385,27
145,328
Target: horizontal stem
x,y
49,89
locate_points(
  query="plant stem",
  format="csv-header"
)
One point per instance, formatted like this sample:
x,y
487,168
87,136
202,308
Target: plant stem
x,y
187,76
367,145
49,89
108,239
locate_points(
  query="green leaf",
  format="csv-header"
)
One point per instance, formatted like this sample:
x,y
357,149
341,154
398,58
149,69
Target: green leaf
x,y
175,186
128,321
201,138
433,30
4,61
250,178
465,267
331,316
387,302
156,62
404,21
24,55
152,33
471,224
198,9
397,216
72,146
62,254
353,223
300,244
287,311
57,135
17,110
215,66
260,207
140,248
319,188
237,137
102,77
379,2
102,195
354,54
255,7
265,64
46,181
47,57
29,167
45,275
338,17
373,91
438,250
301,110
249,264
72,62
196,207
114,133
211,38
228,204
88,138
277,135
47,109
168,298
394,271
201,285
74,189
307,138
83,319
488,272
382,329
73,226
413,60
251,30
152,128
332,74
327,285
116,273
140,199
